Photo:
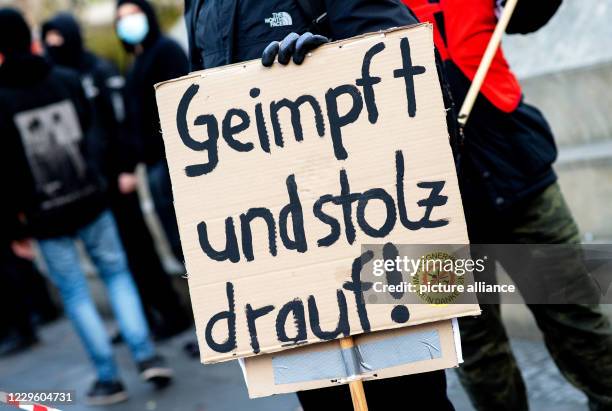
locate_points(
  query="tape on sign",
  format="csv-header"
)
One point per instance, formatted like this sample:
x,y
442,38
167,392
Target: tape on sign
x,y
337,364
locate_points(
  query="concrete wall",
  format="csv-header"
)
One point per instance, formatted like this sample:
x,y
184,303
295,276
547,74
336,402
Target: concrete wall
x,y
566,71
577,103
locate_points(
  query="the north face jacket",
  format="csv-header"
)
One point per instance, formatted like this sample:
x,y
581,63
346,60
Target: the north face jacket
x,y
44,164
228,31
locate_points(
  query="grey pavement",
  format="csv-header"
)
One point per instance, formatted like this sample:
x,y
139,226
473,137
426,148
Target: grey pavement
x,y
59,363
547,389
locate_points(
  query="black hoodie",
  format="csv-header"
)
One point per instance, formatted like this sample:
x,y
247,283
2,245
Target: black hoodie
x,y
162,59
44,118
71,53
104,88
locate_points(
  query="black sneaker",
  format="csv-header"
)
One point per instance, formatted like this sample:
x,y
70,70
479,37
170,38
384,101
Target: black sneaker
x,y
171,328
192,349
106,393
17,344
155,371
116,338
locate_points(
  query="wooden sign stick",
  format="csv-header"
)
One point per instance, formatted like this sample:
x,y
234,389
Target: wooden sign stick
x,y
485,63
356,387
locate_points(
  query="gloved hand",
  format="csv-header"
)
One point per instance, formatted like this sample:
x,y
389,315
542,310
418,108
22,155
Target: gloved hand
x,y
292,45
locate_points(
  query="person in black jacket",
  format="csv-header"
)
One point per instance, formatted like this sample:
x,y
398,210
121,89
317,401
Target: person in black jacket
x,y
104,87
45,119
511,196
158,58
17,332
223,32
25,294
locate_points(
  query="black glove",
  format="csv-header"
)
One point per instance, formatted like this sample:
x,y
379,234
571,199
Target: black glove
x,y
530,16
292,45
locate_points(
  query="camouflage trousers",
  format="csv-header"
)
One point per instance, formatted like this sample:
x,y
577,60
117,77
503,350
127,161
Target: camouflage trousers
x,y
578,336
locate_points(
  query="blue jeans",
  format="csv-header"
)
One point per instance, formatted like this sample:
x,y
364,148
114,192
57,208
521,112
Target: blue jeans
x,y
103,246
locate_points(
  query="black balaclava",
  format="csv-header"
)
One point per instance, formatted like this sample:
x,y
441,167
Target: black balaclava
x,y
71,52
15,36
20,67
154,29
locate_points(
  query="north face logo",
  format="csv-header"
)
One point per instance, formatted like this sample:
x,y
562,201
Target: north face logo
x,y
279,19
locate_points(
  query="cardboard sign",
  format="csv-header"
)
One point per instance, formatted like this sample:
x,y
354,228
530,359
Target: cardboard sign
x,y
384,354
279,174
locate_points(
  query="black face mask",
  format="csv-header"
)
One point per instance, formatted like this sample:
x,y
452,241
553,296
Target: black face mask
x,y
61,55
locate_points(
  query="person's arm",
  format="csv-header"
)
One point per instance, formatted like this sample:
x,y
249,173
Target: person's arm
x,y
468,31
15,183
191,9
82,104
530,16
172,62
169,62
352,18
345,19
122,153
111,90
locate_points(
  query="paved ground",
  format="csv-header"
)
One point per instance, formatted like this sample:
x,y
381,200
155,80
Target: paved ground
x,y
59,363
547,389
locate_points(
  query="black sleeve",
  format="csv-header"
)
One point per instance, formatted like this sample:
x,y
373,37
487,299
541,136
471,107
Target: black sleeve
x,y
132,128
12,227
123,152
111,84
355,17
81,103
191,10
530,16
14,182
86,113
172,62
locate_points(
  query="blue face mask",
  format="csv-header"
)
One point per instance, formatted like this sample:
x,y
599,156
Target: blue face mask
x,y
133,28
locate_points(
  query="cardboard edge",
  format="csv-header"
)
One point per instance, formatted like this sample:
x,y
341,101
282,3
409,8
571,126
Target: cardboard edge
x,y
175,80
457,338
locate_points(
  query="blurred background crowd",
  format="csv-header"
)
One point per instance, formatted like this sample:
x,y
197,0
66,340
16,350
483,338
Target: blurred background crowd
x,y
97,19
571,75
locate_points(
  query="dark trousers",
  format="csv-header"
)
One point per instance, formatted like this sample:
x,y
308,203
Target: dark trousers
x,y
15,307
578,336
161,193
159,298
425,391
